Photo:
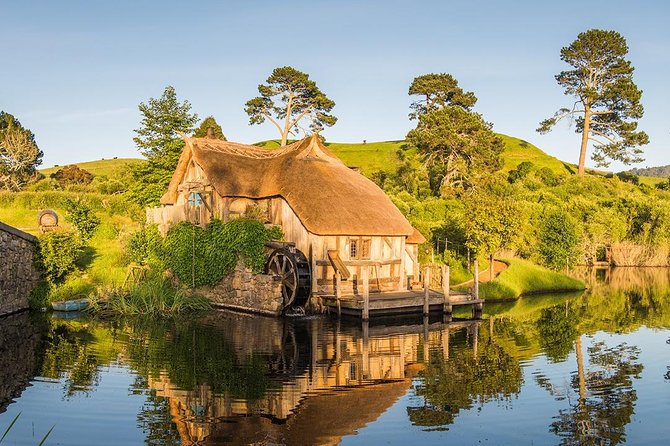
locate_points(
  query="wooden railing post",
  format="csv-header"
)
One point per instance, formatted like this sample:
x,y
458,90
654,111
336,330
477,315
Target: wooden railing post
x,y
426,290
445,289
338,292
476,273
365,272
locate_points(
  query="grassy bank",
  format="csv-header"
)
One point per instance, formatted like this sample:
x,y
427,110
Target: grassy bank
x,y
524,277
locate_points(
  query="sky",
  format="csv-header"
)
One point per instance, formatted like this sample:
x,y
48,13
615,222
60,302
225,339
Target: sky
x,y
74,72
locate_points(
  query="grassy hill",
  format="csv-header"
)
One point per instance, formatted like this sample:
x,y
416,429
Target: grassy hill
x,y
381,156
106,167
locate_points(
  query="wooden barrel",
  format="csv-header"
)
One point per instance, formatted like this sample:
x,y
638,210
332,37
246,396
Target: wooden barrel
x,y
47,219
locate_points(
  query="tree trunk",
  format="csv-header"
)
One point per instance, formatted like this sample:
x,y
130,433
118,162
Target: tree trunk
x,y
580,370
585,141
491,269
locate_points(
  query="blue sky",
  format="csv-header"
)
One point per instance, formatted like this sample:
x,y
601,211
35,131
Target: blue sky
x,y
75,71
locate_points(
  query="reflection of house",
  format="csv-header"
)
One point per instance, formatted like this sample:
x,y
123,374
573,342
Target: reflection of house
x,y
347,380
334,215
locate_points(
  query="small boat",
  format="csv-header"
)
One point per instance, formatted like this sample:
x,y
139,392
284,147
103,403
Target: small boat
x,y
70,305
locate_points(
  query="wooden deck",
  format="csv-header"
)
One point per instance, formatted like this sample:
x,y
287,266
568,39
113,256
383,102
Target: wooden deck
x,y
424,301
400,302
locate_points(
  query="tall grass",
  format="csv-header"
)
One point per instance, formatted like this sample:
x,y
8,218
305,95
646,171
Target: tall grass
x,y
11,425
154,296
524,277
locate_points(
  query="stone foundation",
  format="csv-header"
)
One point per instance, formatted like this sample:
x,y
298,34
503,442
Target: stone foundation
x,y
18,274
246,291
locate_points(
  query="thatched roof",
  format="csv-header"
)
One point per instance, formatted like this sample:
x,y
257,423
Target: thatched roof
x,y
327,196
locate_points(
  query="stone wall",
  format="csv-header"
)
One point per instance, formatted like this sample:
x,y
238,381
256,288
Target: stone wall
x,y
246,291
18,274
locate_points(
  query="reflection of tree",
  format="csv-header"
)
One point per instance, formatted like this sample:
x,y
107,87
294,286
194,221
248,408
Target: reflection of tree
x,y
556,327
464,379
156,421
67,356
606,397
193,354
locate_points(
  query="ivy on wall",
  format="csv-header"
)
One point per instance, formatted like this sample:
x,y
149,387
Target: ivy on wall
x,y
203,256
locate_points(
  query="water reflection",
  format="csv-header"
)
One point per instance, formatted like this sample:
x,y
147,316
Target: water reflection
x,y
231,378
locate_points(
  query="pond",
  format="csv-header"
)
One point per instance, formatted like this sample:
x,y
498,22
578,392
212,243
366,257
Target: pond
x,y
590,368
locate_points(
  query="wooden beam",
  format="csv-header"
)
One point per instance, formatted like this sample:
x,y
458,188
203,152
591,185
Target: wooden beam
x,y
338,292
366,293
445,289
426,290
337,263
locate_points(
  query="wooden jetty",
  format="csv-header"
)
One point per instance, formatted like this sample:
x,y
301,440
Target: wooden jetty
x,y
422,301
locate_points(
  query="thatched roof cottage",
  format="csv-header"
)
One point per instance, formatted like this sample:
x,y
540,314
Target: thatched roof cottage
x,y
337,219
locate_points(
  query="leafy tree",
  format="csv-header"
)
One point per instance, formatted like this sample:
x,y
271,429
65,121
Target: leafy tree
x,y
158,140
558,240
290,96
205,125
607,104
458,147
492,222
19,154
521,171
437,91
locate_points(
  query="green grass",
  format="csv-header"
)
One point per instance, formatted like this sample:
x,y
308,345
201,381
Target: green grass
x,y
517,151
523,277
105,167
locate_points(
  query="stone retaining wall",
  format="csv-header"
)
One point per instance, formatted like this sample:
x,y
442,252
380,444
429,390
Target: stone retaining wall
x,y
18,274
246,291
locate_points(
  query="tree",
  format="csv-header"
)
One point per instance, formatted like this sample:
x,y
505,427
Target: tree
x,y
607,104
437,91
19,154
558,240
290,96
492,222
205,125
72,175
458,146
157,139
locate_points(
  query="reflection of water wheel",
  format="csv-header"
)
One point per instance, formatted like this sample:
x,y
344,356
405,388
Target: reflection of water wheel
x,y
292,267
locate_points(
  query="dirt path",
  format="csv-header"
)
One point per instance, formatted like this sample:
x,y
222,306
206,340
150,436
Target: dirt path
x,y
484,276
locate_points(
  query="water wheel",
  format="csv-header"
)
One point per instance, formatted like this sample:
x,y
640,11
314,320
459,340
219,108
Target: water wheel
x,y
293,269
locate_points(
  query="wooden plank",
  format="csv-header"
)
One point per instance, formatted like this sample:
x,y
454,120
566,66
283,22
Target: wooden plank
x,y
476,273
445,289
338,292
426,290
337,264
366,293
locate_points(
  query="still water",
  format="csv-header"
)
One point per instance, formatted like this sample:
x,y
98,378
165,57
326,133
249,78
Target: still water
x,y
590,368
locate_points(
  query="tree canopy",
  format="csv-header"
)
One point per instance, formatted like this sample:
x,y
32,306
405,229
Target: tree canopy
x,y
158,140
437,91
458,147
288,97
607,104
209,123
19,153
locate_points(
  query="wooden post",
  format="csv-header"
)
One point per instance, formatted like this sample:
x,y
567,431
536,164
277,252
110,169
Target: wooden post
x,y
338,292
491,268
426,349
315,279
366,349
475,264
475,338
445,342
365,272
445,289
426,290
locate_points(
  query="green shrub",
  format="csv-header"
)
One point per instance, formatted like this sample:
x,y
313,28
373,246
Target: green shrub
x,y
558,240
57,253
72,175
548,177
203,256
82,217
521,171
154,296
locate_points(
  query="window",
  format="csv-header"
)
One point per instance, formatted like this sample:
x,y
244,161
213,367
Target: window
x,y
194,199
359,248
353,248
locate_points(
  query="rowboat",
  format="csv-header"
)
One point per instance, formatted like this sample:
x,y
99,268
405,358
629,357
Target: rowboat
x,y
70,305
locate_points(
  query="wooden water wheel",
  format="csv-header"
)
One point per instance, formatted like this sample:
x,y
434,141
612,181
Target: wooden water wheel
x,y
293,269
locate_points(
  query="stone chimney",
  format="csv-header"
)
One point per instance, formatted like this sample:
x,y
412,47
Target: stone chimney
x,y
210,133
